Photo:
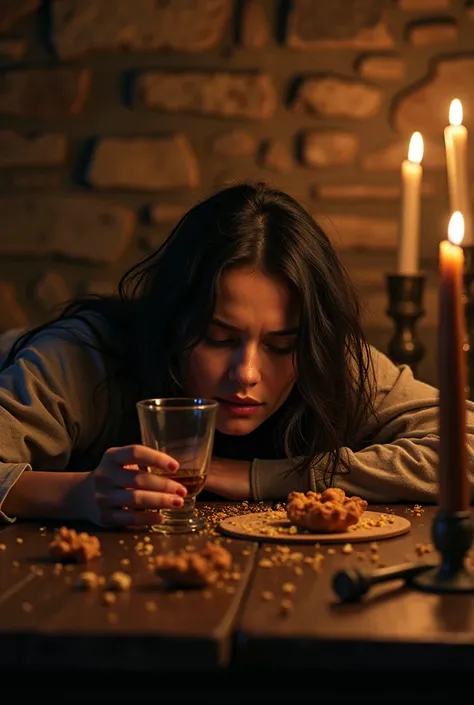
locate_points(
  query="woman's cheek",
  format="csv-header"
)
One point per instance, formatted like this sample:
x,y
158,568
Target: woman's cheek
x,y
202,371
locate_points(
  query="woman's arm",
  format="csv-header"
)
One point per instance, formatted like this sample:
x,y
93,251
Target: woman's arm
x,y
55,495
399,461
47,410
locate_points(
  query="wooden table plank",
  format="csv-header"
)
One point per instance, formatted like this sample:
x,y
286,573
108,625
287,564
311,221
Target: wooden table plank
x,y
45,619
393,627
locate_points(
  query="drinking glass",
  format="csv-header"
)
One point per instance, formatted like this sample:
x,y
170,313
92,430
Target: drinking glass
x,y
184,429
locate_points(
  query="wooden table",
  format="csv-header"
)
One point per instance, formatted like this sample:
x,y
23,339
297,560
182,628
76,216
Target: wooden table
x,y
224,633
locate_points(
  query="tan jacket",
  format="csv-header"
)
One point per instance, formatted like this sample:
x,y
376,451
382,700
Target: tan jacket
x,y
48,415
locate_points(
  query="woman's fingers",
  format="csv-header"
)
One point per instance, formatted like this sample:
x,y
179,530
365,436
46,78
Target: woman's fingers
x,y
140,455
140,480
122,467
140,499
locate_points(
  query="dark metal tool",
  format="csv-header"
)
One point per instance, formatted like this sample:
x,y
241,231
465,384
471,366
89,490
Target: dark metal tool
x,y
351,585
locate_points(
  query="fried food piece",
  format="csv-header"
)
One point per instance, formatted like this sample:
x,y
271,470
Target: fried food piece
x,y
324,512
70,546
195,568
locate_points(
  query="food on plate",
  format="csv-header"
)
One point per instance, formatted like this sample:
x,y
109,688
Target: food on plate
x,y
330,511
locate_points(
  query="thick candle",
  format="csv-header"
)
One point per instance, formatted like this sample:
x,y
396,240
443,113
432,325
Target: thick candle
x,y
456,145
409,228
453,479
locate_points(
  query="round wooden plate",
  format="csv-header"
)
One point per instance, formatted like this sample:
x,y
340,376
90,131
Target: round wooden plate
x,y
274,526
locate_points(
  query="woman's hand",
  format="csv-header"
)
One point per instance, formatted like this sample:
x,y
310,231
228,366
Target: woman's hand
x,y
229,478
120,492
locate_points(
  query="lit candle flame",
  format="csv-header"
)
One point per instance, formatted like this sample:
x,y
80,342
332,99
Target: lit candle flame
x,y
455,112
415,149
456,228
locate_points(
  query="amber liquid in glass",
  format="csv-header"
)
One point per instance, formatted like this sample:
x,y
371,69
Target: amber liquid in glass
x,y
191,478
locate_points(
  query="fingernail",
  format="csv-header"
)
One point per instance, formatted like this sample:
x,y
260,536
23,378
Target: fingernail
x,y
182,491
173,465
177,502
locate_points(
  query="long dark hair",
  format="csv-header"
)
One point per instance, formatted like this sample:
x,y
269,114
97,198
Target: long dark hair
x,y
166,301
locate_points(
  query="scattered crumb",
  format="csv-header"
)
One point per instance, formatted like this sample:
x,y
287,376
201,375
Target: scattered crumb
x,y
87,580
108,598
422,548
3,547
144,549
19,540
68,545
119,581
286,606
196,568
26,606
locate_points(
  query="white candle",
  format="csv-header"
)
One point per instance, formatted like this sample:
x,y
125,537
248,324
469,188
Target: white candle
x,y
455,139
452,465
409,231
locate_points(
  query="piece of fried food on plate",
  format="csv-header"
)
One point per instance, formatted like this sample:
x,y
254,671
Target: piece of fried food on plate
x,y
330,511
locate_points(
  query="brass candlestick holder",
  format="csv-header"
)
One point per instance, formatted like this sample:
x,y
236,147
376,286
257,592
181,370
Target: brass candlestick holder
x,y
452,534
468,301
405,294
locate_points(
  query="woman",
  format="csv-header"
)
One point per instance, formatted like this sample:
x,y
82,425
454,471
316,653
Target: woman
x,y
246,302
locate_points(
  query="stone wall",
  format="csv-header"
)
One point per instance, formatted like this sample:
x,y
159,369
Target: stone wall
x,y
115,115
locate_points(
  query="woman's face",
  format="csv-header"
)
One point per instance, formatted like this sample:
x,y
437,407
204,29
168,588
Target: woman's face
x,y
245,361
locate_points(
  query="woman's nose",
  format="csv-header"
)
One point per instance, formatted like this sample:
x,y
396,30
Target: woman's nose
x,y
245,369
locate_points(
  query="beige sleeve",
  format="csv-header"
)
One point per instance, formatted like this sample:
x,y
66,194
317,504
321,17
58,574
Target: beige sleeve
x,y
399,459
47,406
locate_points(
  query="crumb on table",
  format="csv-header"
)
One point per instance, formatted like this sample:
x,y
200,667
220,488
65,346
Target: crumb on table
x,y
69,545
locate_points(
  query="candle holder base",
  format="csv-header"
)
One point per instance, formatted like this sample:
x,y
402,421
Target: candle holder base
x,y
453,533
434,581
405,294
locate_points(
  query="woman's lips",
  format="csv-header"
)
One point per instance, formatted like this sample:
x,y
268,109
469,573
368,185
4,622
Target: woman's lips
x,y
239,408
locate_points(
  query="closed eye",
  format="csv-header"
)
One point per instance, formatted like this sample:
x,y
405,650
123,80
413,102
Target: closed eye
x,y
232,342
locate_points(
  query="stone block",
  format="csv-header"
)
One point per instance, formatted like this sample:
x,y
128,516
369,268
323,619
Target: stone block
x,y
336,97
226,95
44,92
339,24
88,26
77,227
144,163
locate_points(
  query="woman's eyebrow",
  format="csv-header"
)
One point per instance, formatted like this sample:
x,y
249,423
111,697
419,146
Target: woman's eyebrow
x,y
235,329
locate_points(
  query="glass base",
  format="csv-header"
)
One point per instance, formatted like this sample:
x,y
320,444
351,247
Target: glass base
x,y
180,521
